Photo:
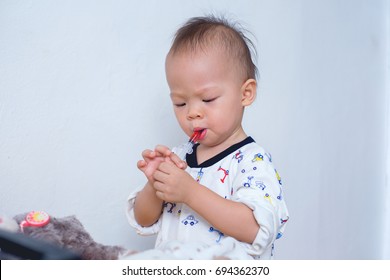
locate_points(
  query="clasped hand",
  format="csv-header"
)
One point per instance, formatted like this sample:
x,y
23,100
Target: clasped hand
x,y
165,172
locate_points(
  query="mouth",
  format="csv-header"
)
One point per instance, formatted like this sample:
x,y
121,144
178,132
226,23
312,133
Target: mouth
x,y
199,134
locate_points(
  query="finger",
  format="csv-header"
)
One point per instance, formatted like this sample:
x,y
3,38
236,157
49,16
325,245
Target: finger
x,y
148,154
166,166
178,161
160,195
160,176
163,150
168,159
158,186
141,164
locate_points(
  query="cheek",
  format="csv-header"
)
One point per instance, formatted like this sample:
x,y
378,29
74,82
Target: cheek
x,y
179,115
181,119
218,118
225,118
228,108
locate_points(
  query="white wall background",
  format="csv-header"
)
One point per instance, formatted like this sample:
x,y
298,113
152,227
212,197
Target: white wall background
x,y
386,247
83,92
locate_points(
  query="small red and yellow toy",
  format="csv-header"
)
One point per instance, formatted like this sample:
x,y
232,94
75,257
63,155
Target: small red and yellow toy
x,y
35,219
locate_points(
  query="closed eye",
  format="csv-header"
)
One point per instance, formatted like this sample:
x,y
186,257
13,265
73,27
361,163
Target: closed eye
x,y
180,104
209,100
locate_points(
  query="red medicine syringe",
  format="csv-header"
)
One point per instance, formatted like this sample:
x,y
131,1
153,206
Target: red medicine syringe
x,y
186,148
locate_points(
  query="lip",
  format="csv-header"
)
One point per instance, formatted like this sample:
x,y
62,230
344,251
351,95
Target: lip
x,y
203,132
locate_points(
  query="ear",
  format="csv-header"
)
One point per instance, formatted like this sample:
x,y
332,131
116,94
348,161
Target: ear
x,y
248,92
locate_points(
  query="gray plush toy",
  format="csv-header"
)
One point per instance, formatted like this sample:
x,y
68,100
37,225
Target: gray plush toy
x,y
69,233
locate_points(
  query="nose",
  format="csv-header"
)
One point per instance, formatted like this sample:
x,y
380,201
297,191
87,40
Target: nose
x,y
194,112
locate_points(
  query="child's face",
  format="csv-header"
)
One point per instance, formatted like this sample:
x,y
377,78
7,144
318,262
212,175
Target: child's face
x,y
206,93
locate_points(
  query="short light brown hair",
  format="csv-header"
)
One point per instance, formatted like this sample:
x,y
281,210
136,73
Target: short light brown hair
x,y
203,32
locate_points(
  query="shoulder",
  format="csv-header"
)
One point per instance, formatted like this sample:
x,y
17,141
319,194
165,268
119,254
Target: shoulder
x,y
254,160
254,153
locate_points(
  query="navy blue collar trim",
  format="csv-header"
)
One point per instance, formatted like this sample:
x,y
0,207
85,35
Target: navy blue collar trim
x,y
192,160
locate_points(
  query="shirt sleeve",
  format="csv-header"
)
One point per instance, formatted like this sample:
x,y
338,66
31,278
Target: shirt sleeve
x,y
259,186
151,230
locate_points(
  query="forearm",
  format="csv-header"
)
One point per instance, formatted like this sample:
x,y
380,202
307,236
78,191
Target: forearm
x,y
147,207
232,218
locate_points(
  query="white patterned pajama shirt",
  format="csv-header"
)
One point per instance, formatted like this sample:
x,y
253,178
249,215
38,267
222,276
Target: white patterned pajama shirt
x,y
243,173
